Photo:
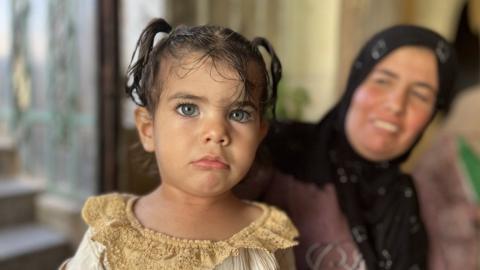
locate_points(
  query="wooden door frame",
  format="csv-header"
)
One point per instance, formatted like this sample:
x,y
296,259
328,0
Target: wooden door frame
x,y
109,93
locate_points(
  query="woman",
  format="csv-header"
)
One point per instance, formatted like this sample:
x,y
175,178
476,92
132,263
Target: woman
x,y
340,181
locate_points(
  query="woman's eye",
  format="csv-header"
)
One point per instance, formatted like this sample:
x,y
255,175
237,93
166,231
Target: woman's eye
x,y
188,110
381,81
240,116
420,96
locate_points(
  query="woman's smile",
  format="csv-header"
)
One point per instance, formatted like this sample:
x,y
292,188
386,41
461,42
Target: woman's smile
x,y
386,126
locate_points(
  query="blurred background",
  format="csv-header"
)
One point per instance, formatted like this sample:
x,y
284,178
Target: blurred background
x,y
66,128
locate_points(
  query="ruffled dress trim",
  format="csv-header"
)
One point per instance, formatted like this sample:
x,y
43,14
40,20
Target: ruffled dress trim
x,y
129,245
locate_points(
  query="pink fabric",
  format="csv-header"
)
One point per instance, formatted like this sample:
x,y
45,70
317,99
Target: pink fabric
x,y
447,209
325,239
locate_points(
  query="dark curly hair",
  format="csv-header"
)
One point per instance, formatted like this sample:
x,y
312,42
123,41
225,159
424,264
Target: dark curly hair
x,y
218,44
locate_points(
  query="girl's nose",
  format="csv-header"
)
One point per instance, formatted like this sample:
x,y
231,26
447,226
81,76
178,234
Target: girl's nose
x,y
216,131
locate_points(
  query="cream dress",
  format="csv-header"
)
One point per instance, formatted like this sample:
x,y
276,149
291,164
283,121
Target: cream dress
x,y
116,240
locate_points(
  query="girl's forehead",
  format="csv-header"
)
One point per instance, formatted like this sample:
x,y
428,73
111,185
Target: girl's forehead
x,y
201,78
183,67
219,69
194,68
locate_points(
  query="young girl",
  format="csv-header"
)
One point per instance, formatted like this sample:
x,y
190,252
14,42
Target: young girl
x,y
202,94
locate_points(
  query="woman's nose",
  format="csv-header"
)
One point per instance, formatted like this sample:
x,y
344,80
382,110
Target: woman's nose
x,y
397,100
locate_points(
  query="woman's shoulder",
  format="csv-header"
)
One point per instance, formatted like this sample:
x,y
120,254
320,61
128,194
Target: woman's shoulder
x,y
102,209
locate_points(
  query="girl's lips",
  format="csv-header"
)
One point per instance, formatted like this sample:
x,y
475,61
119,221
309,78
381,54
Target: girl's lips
x,y
210,163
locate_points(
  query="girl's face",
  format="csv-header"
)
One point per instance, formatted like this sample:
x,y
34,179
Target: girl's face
x,y
394,104
204,134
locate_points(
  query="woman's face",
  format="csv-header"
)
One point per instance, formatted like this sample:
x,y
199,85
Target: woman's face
x,y
393,104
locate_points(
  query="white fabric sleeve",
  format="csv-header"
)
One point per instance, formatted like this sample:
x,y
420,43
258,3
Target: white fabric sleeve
x,y
89,255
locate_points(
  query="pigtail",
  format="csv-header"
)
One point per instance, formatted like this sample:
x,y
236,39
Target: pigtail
x,y
275,68
135,69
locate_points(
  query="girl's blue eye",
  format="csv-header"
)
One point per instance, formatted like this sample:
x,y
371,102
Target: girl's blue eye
x,y
189,110
240,116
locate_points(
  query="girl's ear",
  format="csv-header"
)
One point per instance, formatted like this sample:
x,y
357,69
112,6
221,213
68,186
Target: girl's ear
x,y
144,123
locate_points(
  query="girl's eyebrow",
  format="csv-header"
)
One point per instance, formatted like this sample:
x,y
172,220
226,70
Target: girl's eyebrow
x,y
184,95
244,103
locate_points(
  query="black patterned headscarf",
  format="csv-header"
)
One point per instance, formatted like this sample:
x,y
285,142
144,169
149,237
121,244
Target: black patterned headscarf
x,y
379,201
387,41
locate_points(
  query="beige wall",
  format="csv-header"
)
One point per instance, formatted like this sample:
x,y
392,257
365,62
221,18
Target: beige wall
x,y
317,40
441,16
305,34
310,51
474,15
362,18
359,21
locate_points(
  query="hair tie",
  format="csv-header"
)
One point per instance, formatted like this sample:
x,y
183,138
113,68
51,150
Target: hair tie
x,y
135,69
275,66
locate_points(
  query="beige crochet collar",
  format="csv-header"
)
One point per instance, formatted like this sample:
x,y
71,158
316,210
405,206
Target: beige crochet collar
x,y
129,245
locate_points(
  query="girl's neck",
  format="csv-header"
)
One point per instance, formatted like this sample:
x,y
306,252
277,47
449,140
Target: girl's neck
x,y
179,214
174,198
